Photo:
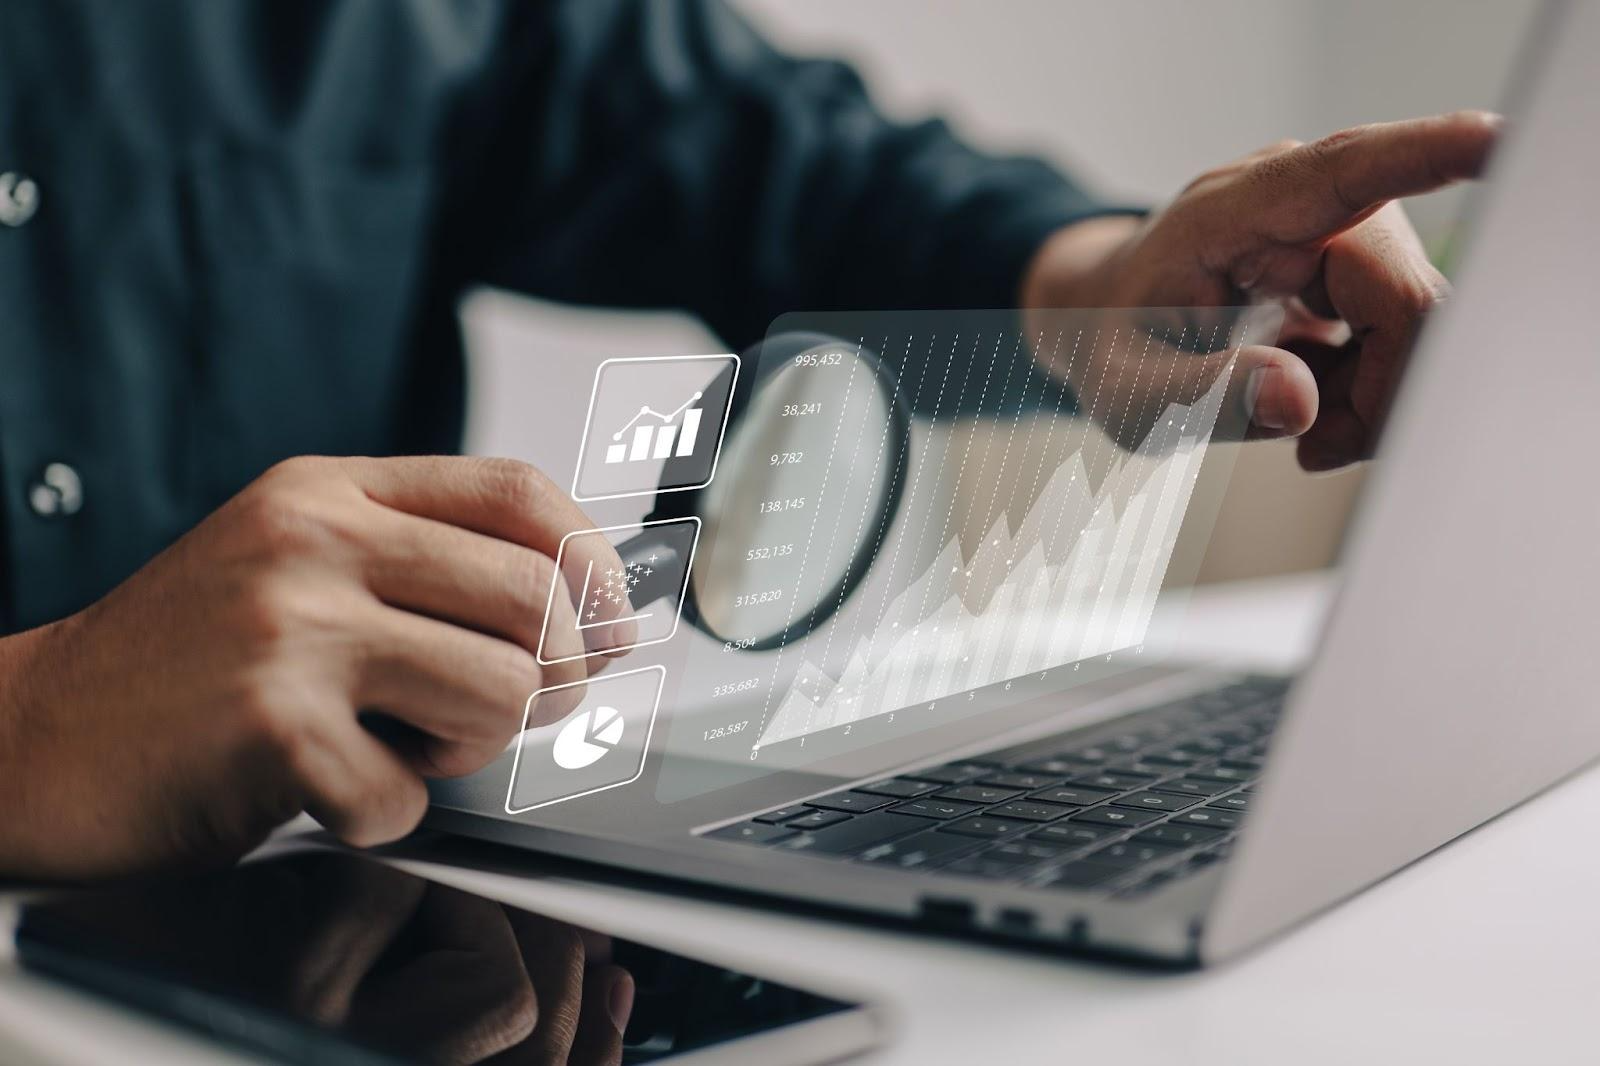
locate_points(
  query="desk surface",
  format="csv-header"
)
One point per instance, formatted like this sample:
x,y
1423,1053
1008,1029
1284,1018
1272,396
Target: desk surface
x,y
1484,953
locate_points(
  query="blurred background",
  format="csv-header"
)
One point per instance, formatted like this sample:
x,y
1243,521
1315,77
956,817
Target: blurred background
x,y
1134,113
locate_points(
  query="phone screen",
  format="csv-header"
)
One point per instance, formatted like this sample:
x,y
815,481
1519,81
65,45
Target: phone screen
x,y
327,957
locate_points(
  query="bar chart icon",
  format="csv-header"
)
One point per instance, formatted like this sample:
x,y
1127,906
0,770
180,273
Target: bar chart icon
x,y
654,425
665,431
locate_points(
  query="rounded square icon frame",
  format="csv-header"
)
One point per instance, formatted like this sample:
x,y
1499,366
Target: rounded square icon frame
x,y
588,424
644,752
555,585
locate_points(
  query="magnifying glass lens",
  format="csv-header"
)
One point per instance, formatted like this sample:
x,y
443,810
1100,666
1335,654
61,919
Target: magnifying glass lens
x,y
806,482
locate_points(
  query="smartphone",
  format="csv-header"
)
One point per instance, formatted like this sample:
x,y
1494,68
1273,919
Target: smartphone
x,y
327,957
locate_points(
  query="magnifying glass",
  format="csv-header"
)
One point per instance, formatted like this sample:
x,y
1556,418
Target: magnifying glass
x,y
807,482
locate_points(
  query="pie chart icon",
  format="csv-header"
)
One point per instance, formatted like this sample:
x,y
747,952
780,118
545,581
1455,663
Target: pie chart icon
x,y
587,737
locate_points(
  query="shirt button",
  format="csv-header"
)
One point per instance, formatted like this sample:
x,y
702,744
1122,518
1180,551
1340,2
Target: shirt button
x,y
58,493
19,198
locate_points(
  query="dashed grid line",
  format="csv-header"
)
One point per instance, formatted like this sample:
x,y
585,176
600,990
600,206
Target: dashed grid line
x,y
916,478
884,516
934,421
783,640
1088,412
1127,409
988,438
966,451
1005,456
861,522
1061,395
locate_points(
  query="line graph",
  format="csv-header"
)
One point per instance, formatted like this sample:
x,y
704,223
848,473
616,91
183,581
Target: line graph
x,y
1076,577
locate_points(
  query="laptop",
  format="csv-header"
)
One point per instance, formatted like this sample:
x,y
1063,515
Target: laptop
x,y
1094,801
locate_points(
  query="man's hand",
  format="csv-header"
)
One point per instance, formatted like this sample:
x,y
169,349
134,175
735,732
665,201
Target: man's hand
x,y
1312,225
217,692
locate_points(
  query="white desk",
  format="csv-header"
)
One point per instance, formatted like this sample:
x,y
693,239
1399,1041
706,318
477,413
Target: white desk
x,y
1487,952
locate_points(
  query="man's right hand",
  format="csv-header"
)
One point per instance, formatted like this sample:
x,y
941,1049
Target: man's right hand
x,y
223,688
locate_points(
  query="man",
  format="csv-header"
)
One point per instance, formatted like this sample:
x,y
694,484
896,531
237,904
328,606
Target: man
x,y
235,232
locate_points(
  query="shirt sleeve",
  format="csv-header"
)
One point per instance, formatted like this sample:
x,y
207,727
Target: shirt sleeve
x,y
660,153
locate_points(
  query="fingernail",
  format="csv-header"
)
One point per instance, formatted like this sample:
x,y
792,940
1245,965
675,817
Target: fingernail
x,y
620,1003
1266,413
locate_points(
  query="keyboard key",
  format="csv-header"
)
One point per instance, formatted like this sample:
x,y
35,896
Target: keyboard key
x,y
752,833
1072,834
854,802
984,826
1024,782
1172,835
817,820
951,774
1007,860
1080,875
849,837
923,850
1223,773
1136,765
1192,786
979,794
1127,855
935,808
1094,754
1236,802
1029,811
1243,762
1120,817
899,787
1174,757
1072,795
779,815
977,866
1156,801
1208,817
1116,781
1028,849
1054,767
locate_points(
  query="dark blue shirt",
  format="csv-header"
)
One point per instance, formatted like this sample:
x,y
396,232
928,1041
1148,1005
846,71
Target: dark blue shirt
x,y
238,231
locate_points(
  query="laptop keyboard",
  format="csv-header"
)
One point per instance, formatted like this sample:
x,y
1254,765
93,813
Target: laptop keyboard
x,y
1120,807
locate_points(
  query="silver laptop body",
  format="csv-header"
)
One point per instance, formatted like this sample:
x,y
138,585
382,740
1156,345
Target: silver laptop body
x,y
1456,676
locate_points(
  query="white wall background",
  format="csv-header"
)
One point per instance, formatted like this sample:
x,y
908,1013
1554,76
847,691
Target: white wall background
x,y
1136,96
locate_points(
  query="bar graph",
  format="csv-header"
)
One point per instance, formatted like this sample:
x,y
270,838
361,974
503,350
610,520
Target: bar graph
x,y
665,438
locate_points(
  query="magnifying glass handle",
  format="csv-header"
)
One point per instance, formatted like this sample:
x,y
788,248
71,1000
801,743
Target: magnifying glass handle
x,y
660,567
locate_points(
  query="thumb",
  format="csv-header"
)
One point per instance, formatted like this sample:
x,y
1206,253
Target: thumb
x,y
1274,393
1269,392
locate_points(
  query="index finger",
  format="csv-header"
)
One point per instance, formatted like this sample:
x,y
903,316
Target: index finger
x,y
1320,189
501,498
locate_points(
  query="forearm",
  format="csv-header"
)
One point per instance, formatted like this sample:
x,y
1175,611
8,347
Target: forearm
x,y
27,751
683,161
